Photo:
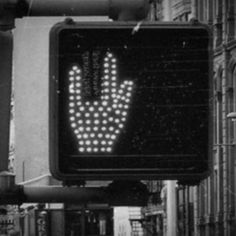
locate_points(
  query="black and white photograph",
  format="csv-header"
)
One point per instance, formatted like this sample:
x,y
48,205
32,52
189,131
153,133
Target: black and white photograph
x,y
117,118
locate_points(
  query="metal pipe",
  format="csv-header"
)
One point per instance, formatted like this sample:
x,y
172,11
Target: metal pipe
x,y
115,9
6,46
58,194
67,7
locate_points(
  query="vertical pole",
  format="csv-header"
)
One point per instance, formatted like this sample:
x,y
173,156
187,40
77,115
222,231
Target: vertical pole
x,y
171,209
6,46
194,8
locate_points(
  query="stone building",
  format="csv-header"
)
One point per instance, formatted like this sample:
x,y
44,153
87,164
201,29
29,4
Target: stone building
x,y
209,208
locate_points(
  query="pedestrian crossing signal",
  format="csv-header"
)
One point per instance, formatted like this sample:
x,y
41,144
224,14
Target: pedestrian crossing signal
x,y
130,104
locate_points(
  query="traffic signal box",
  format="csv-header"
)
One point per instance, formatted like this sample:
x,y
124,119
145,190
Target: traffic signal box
x,y
130,101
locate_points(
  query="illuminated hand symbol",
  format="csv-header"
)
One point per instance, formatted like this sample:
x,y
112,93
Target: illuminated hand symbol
x,y
97,124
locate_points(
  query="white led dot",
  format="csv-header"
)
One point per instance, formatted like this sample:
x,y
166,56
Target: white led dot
x,y
88,142
96,122
85,135
106,83
81,108
95,149
81,149
113,137
89,149
73,125
88,129
104,122
121,126
95,142
129,88
92,135
117,112
111,128
81,142
100,135
109,149
103,149
81,129
91,109
88,122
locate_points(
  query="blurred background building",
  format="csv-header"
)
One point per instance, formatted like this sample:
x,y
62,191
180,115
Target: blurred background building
x,y
209,208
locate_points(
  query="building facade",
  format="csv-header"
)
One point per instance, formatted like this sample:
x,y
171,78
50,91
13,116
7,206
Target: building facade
x,y
209,208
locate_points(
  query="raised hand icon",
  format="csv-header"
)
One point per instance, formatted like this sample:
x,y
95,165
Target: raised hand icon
x,y
97,124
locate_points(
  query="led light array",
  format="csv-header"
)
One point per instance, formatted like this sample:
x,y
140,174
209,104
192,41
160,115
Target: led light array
x,y
97,124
